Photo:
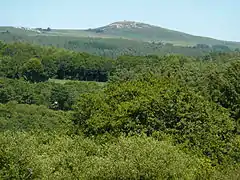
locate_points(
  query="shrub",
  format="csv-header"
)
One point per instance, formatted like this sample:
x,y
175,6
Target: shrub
x,y
152,105
26,156
21,117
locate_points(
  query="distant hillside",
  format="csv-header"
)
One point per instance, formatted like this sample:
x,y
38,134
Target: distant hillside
x,y
125,30
146,32
120,38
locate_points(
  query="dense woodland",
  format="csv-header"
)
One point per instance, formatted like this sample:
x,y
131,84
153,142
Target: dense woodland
x,y
72,115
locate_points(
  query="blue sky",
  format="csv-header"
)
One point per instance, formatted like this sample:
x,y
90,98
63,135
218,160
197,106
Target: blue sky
x,y
213,18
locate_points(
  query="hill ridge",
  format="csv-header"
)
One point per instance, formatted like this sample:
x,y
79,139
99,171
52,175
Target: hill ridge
x,y
126,29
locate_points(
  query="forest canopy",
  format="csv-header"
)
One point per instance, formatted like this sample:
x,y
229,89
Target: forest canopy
x,y
73,115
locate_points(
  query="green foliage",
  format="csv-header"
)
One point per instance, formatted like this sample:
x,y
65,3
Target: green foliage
x,y
37,64
24,156
32,70
8,67
223,88
151,105
20,117
62,97
47,93
157,117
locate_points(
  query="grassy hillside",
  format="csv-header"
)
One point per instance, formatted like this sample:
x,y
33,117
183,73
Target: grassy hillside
x,y
146,32
119,39
126,30
53,32
108,47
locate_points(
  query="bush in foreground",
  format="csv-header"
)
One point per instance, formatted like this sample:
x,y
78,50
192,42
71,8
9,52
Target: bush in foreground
x,y
26,156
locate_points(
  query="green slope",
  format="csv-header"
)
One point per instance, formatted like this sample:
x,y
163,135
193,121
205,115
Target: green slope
x,y
128,30
146,32
112,41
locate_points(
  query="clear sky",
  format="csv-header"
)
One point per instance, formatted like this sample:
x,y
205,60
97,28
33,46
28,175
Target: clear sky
x,y
213,18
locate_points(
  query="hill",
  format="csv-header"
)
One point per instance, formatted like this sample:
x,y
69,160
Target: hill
x,y
147,32
126,30
119,38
